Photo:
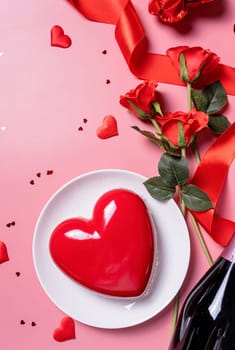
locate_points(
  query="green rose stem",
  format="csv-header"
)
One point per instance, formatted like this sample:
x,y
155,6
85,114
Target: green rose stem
x,y
196,152
201,239
182,207
189,96
175,313
193,220
182,204
198,159
190,104
157,127
177,297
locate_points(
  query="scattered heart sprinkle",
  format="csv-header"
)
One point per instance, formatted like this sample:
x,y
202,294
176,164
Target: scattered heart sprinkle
x,y
58,38
108,128
9,224
66,331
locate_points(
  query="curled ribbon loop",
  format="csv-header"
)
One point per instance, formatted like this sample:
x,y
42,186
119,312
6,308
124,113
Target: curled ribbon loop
x,y
133,43
216,163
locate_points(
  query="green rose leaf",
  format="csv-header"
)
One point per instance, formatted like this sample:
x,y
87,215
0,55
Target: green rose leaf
x,y
216,97
199,100
218,123
195,199
151,136
158,189
173,169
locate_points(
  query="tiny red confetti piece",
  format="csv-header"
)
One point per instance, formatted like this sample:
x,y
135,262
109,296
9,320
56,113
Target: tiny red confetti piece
x,y
9,224
17,274
32,182
66,331
3,253
33,324
38,174
49,172
104,52
108,81
22,322
85,120
80,128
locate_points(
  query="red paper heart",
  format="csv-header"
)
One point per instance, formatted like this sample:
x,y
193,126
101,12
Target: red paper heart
x,y
3,253
58,38
108,128
66,331
112,253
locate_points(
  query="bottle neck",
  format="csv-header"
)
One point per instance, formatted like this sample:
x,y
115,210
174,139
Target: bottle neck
x,y
229,252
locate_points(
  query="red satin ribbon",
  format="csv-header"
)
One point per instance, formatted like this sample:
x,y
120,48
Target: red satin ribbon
x,y
133,43
210,177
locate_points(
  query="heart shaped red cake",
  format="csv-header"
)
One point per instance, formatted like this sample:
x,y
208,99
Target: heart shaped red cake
x,y
111,253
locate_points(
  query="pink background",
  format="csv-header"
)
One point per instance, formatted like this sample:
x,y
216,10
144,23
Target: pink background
x,y
45,93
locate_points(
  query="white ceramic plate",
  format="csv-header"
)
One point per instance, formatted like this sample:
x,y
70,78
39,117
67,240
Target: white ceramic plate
x,y
77,198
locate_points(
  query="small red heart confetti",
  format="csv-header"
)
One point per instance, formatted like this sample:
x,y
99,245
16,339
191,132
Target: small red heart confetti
x,y
3,253
108,81
85,120
38,174
108,128
80,128
58,38
66,331
18,274
49,172
33,324
32,182
22,322
104,52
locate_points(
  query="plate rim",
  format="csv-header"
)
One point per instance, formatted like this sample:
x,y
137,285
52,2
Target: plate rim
x,y
42,213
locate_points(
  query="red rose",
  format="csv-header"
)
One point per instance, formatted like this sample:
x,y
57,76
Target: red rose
x,y
192,62
168,10
173,10
180,128
139,100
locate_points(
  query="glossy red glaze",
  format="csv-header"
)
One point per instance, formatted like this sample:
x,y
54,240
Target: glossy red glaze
x,y
113,252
